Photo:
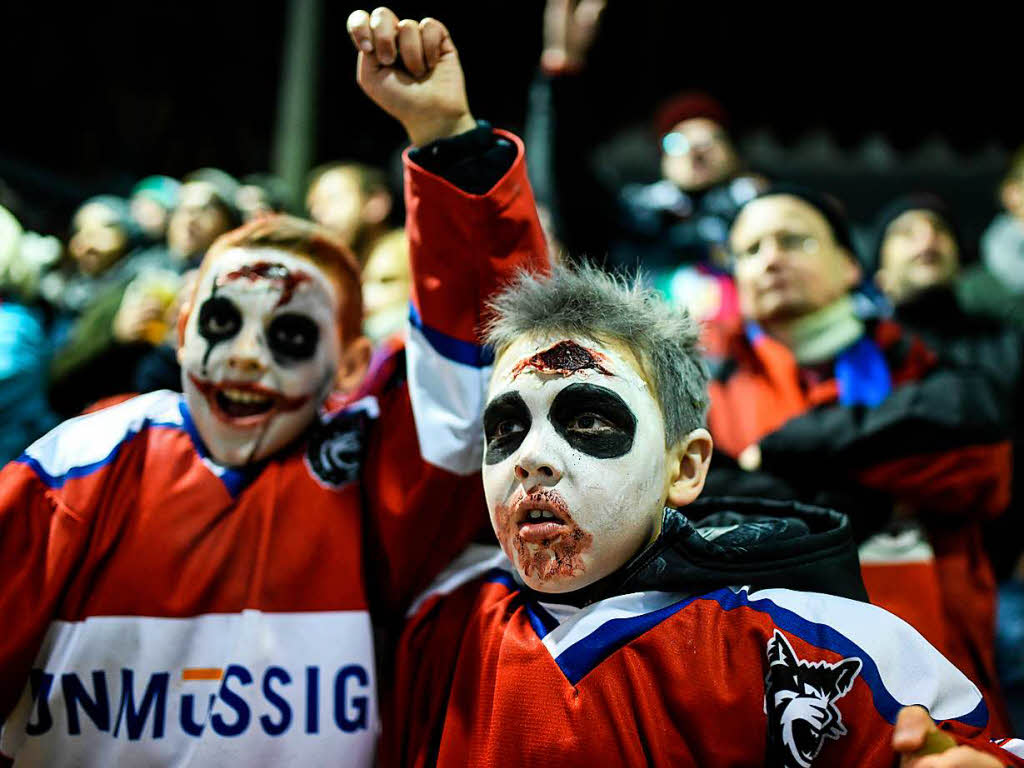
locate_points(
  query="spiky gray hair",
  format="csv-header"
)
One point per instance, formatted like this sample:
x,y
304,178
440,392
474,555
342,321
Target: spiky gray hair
x,y
583,301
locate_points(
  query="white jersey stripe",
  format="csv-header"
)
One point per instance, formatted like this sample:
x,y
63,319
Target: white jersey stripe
x,y
448,402
84,444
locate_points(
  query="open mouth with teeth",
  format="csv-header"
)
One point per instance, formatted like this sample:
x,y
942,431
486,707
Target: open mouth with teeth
x,y
538,533
541,520
240,403
244,405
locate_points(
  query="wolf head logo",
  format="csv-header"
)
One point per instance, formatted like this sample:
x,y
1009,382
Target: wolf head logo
x,y
800,701
335,450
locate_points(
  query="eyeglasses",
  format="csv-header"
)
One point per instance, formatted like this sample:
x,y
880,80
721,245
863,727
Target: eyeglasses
x,y
677,144
787,242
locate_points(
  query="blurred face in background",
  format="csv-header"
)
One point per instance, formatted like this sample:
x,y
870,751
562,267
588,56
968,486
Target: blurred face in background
x,y
697,154
387,284
150,215
98,238
1012,195
198,220
336,201
252,200
787,261
918,252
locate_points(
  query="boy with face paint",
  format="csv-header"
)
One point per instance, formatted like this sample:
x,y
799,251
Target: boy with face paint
x,y
623,622
190,579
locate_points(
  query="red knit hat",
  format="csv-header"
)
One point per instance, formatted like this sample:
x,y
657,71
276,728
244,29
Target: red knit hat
x,y
686,106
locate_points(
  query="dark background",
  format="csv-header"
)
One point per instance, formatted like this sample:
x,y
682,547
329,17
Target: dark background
x,y
97,96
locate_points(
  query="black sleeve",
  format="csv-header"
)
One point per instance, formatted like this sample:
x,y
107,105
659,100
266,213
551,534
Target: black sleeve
x,y
473,161
561,137
947,410
868,510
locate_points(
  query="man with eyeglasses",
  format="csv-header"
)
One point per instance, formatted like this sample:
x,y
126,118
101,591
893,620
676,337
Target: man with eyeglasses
x,y
702,187
677,228
813,402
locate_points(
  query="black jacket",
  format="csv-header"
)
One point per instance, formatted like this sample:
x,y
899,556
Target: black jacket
x,y
719,542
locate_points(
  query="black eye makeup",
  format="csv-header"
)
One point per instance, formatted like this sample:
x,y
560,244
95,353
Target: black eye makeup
x,y
506,422
292,338
594,420
219,319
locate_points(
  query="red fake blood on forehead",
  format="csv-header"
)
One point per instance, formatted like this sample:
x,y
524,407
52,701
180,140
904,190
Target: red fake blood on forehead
x,y
565,358
283,277
561,556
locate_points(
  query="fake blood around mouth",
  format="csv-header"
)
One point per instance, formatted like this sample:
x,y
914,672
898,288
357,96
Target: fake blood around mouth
x,y
565,358
544,548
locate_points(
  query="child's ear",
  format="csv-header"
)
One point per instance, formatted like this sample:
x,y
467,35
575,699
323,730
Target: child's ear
x,y
355,359
688,467
183,314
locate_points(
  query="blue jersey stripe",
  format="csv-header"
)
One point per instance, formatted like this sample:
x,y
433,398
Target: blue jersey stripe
x,y
823,636
542,621
57,481
457,350
503,577
582,657
235,480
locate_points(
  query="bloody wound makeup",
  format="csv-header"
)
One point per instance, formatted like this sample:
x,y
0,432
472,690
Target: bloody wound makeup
x,y
286,279
565,358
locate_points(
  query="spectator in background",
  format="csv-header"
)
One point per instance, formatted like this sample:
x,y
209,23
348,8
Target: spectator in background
x,y
88,363
262,193
206,210
152,201
387,284
143,324
919,252
996,286
353,201
674,228
817,404
24,343
685,217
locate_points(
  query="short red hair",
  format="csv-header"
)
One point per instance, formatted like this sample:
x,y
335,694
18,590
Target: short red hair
x,y
308,241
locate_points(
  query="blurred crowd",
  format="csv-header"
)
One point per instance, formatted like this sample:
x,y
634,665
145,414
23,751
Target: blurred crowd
x,y
881,379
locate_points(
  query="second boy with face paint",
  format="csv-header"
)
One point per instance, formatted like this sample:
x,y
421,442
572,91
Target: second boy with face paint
x,y
624,624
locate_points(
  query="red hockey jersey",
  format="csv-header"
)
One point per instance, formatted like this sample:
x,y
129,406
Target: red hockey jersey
x,y
160,609
488,676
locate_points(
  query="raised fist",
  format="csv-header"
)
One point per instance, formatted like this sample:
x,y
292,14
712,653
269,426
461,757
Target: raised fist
x,y
412,70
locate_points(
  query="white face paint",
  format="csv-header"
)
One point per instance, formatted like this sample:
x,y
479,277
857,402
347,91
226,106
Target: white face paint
x,y
260,352
575,466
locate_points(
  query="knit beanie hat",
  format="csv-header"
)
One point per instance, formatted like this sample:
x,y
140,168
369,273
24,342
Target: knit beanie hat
x,y
917,201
